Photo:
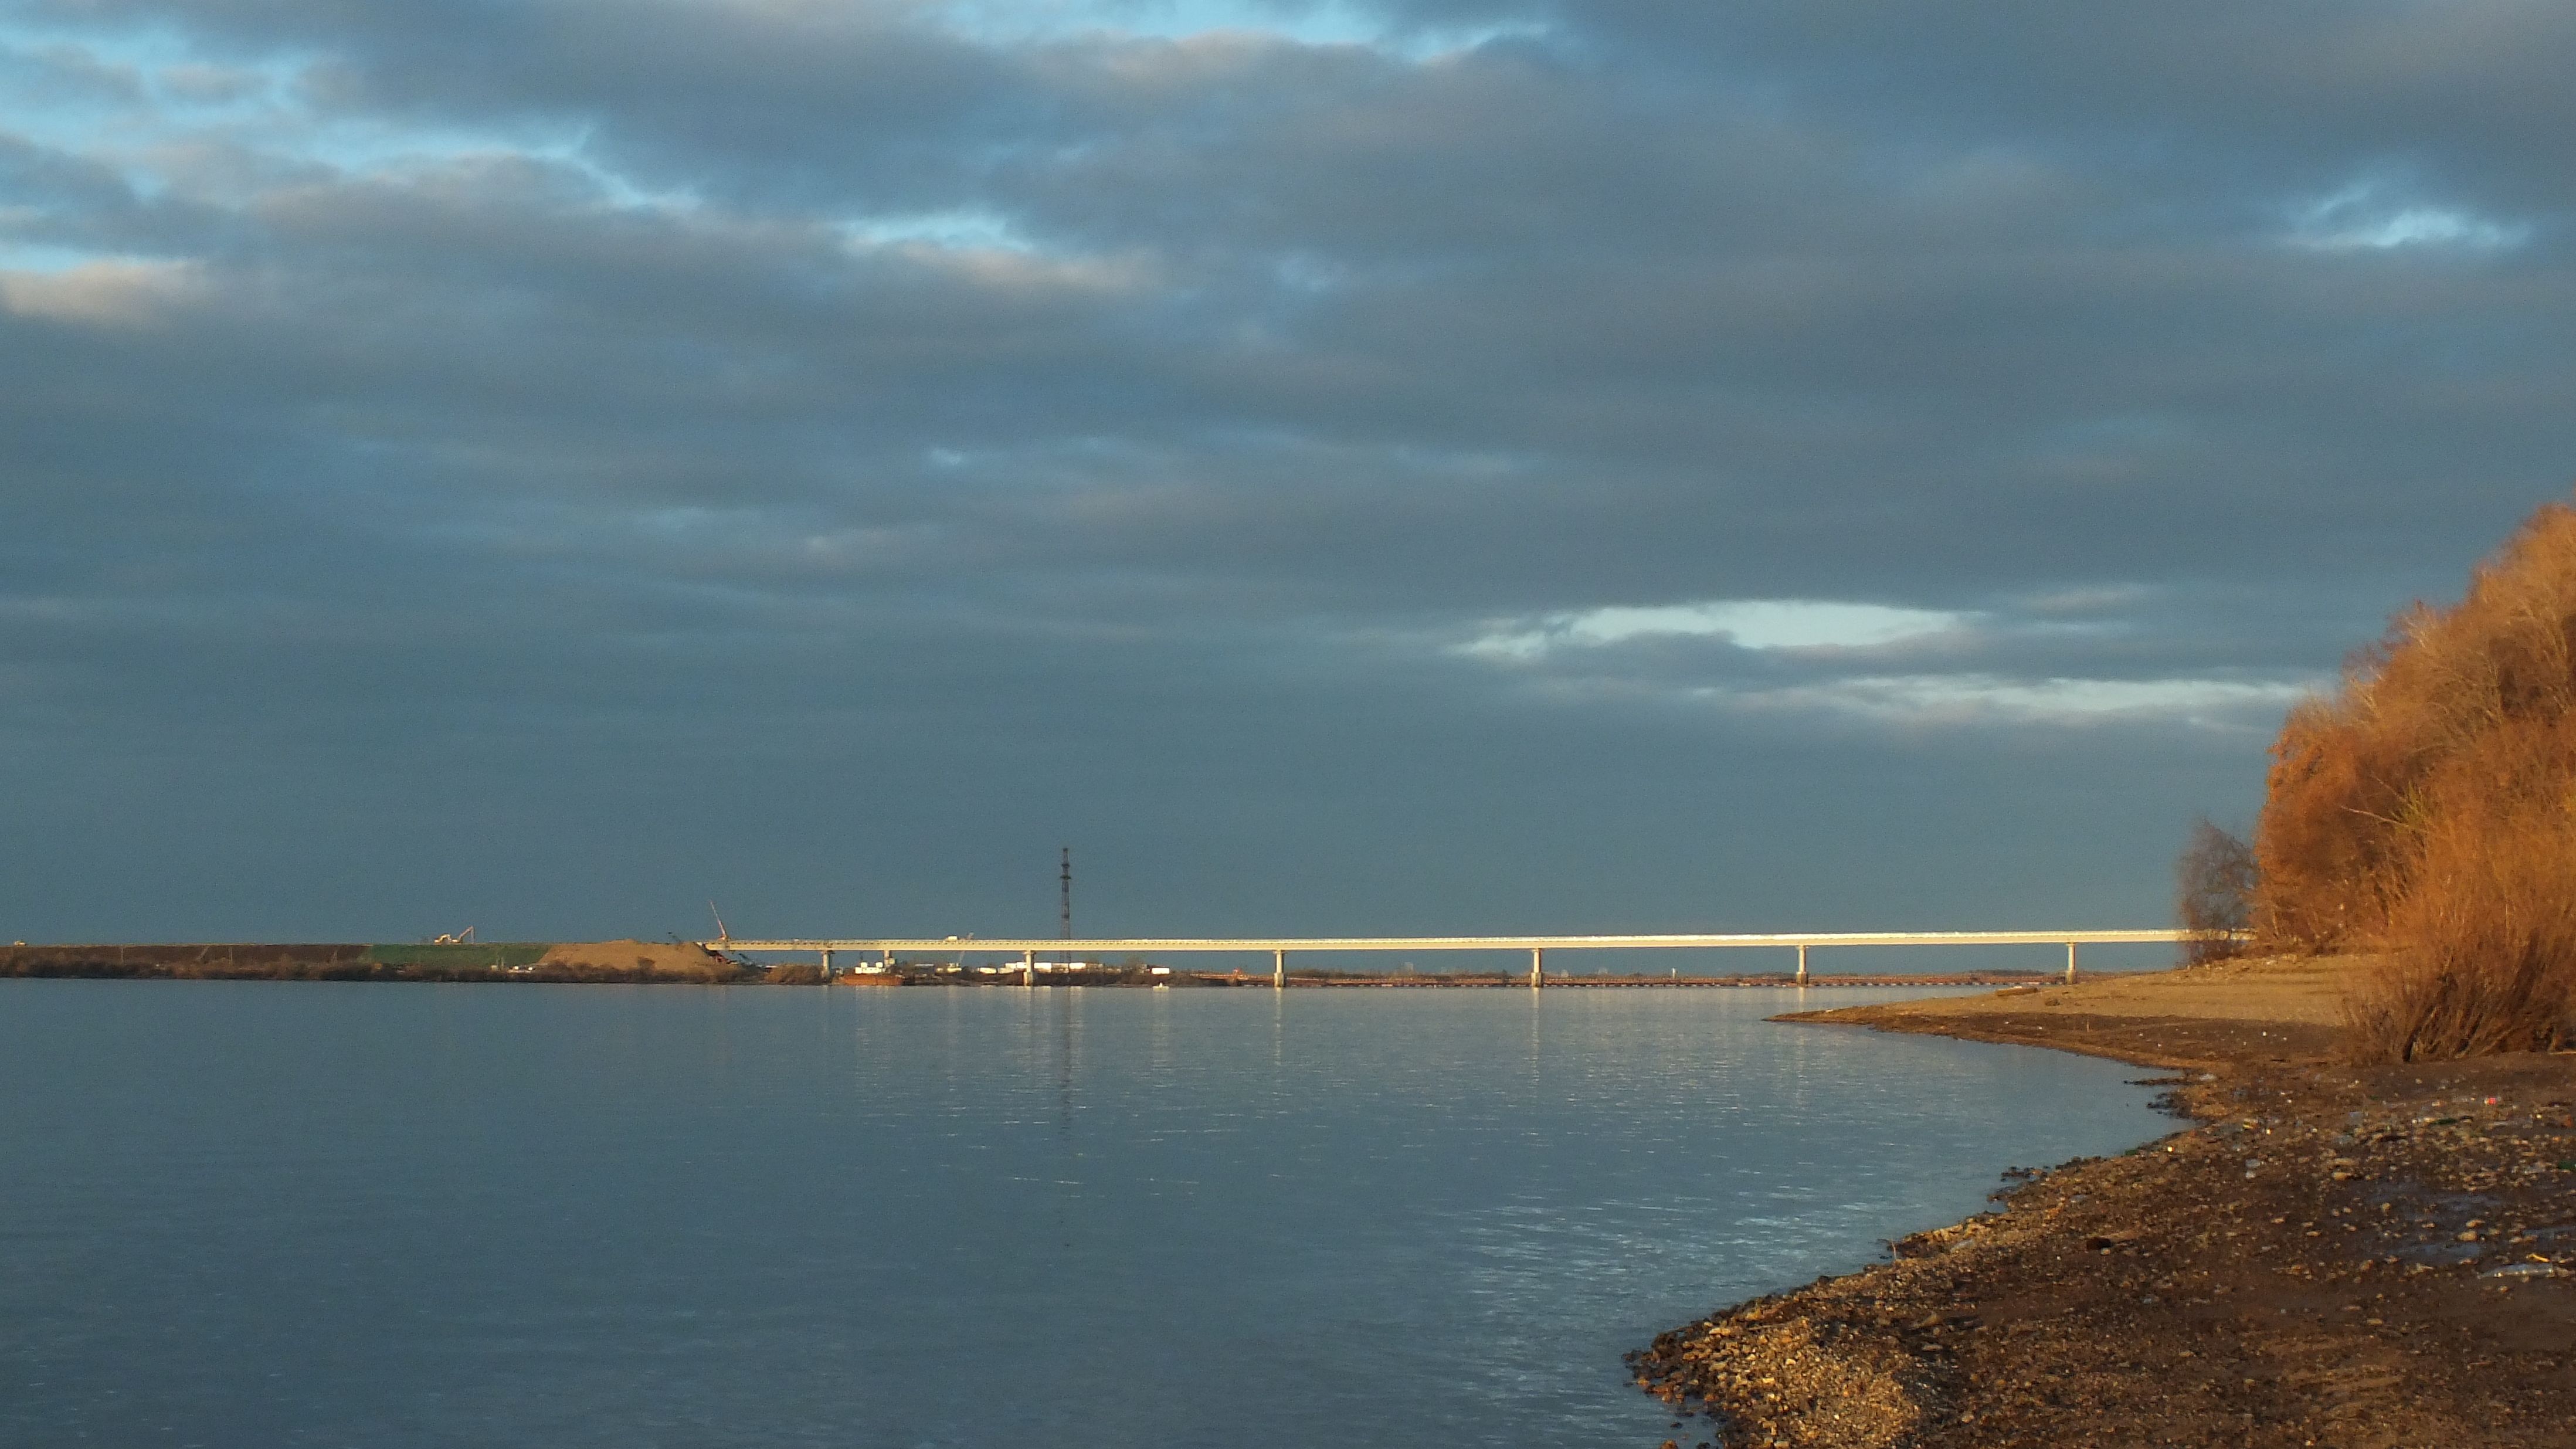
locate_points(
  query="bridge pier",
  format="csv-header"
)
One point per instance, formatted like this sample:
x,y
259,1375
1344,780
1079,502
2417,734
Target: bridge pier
x,y
2070,963
1029,968
1538,966
827,963
1279,970
1802,963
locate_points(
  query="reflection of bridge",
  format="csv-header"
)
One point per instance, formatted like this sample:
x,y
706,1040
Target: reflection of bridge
x,y
1537,946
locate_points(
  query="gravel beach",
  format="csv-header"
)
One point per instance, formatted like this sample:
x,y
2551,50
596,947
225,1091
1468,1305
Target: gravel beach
x,y
2324,1255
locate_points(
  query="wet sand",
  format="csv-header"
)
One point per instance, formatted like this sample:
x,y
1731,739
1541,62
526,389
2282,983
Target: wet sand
x,y
2322,1255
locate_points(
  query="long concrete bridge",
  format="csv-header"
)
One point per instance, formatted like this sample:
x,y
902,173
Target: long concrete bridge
x,y
1537,946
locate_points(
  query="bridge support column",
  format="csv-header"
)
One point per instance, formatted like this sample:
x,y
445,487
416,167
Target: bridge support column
x,y
1279,970
1802,964
2070,963
1029,968
827,965
1538,967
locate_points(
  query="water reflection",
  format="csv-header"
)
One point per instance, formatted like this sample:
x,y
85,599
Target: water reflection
x,y
587,1216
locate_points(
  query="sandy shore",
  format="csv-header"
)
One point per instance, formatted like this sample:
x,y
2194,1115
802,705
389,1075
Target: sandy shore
x,y
2328,1256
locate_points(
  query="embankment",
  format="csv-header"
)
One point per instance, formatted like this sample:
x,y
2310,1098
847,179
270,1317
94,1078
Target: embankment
x,y
623,962
2328,1256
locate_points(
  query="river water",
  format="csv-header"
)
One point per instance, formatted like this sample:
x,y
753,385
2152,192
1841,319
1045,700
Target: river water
x,y
267,1214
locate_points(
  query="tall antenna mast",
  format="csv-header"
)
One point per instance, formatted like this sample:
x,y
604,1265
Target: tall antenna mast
x,y
1064,880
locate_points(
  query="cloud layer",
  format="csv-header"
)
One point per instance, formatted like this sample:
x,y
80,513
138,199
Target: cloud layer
x,y
1337,466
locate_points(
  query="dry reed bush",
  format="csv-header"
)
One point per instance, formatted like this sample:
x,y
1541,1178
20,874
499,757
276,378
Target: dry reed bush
x,y
2430,807
2489,963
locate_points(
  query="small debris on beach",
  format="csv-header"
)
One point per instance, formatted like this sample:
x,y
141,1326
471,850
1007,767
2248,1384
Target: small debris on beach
x,y
2395,1265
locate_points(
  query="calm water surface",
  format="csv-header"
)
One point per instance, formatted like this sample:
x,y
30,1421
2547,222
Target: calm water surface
x,y
265,1214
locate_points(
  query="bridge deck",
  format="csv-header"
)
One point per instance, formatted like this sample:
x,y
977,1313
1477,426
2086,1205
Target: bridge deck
x,y
1180,945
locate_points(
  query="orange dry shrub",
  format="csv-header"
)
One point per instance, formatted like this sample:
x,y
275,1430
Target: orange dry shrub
x,y
2429,808
2488,961
2327,843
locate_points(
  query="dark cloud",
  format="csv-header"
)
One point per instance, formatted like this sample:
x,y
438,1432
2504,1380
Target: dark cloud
x,y
575,457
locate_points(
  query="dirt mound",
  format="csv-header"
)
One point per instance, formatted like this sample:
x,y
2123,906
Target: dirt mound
x,y
660,958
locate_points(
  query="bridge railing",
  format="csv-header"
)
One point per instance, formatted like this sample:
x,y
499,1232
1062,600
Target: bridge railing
x,y
1537,946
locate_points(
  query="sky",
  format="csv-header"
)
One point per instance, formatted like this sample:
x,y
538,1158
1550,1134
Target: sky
x,y
1413,467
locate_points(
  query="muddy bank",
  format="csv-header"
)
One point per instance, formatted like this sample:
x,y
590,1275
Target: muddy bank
x,y
2321,1256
